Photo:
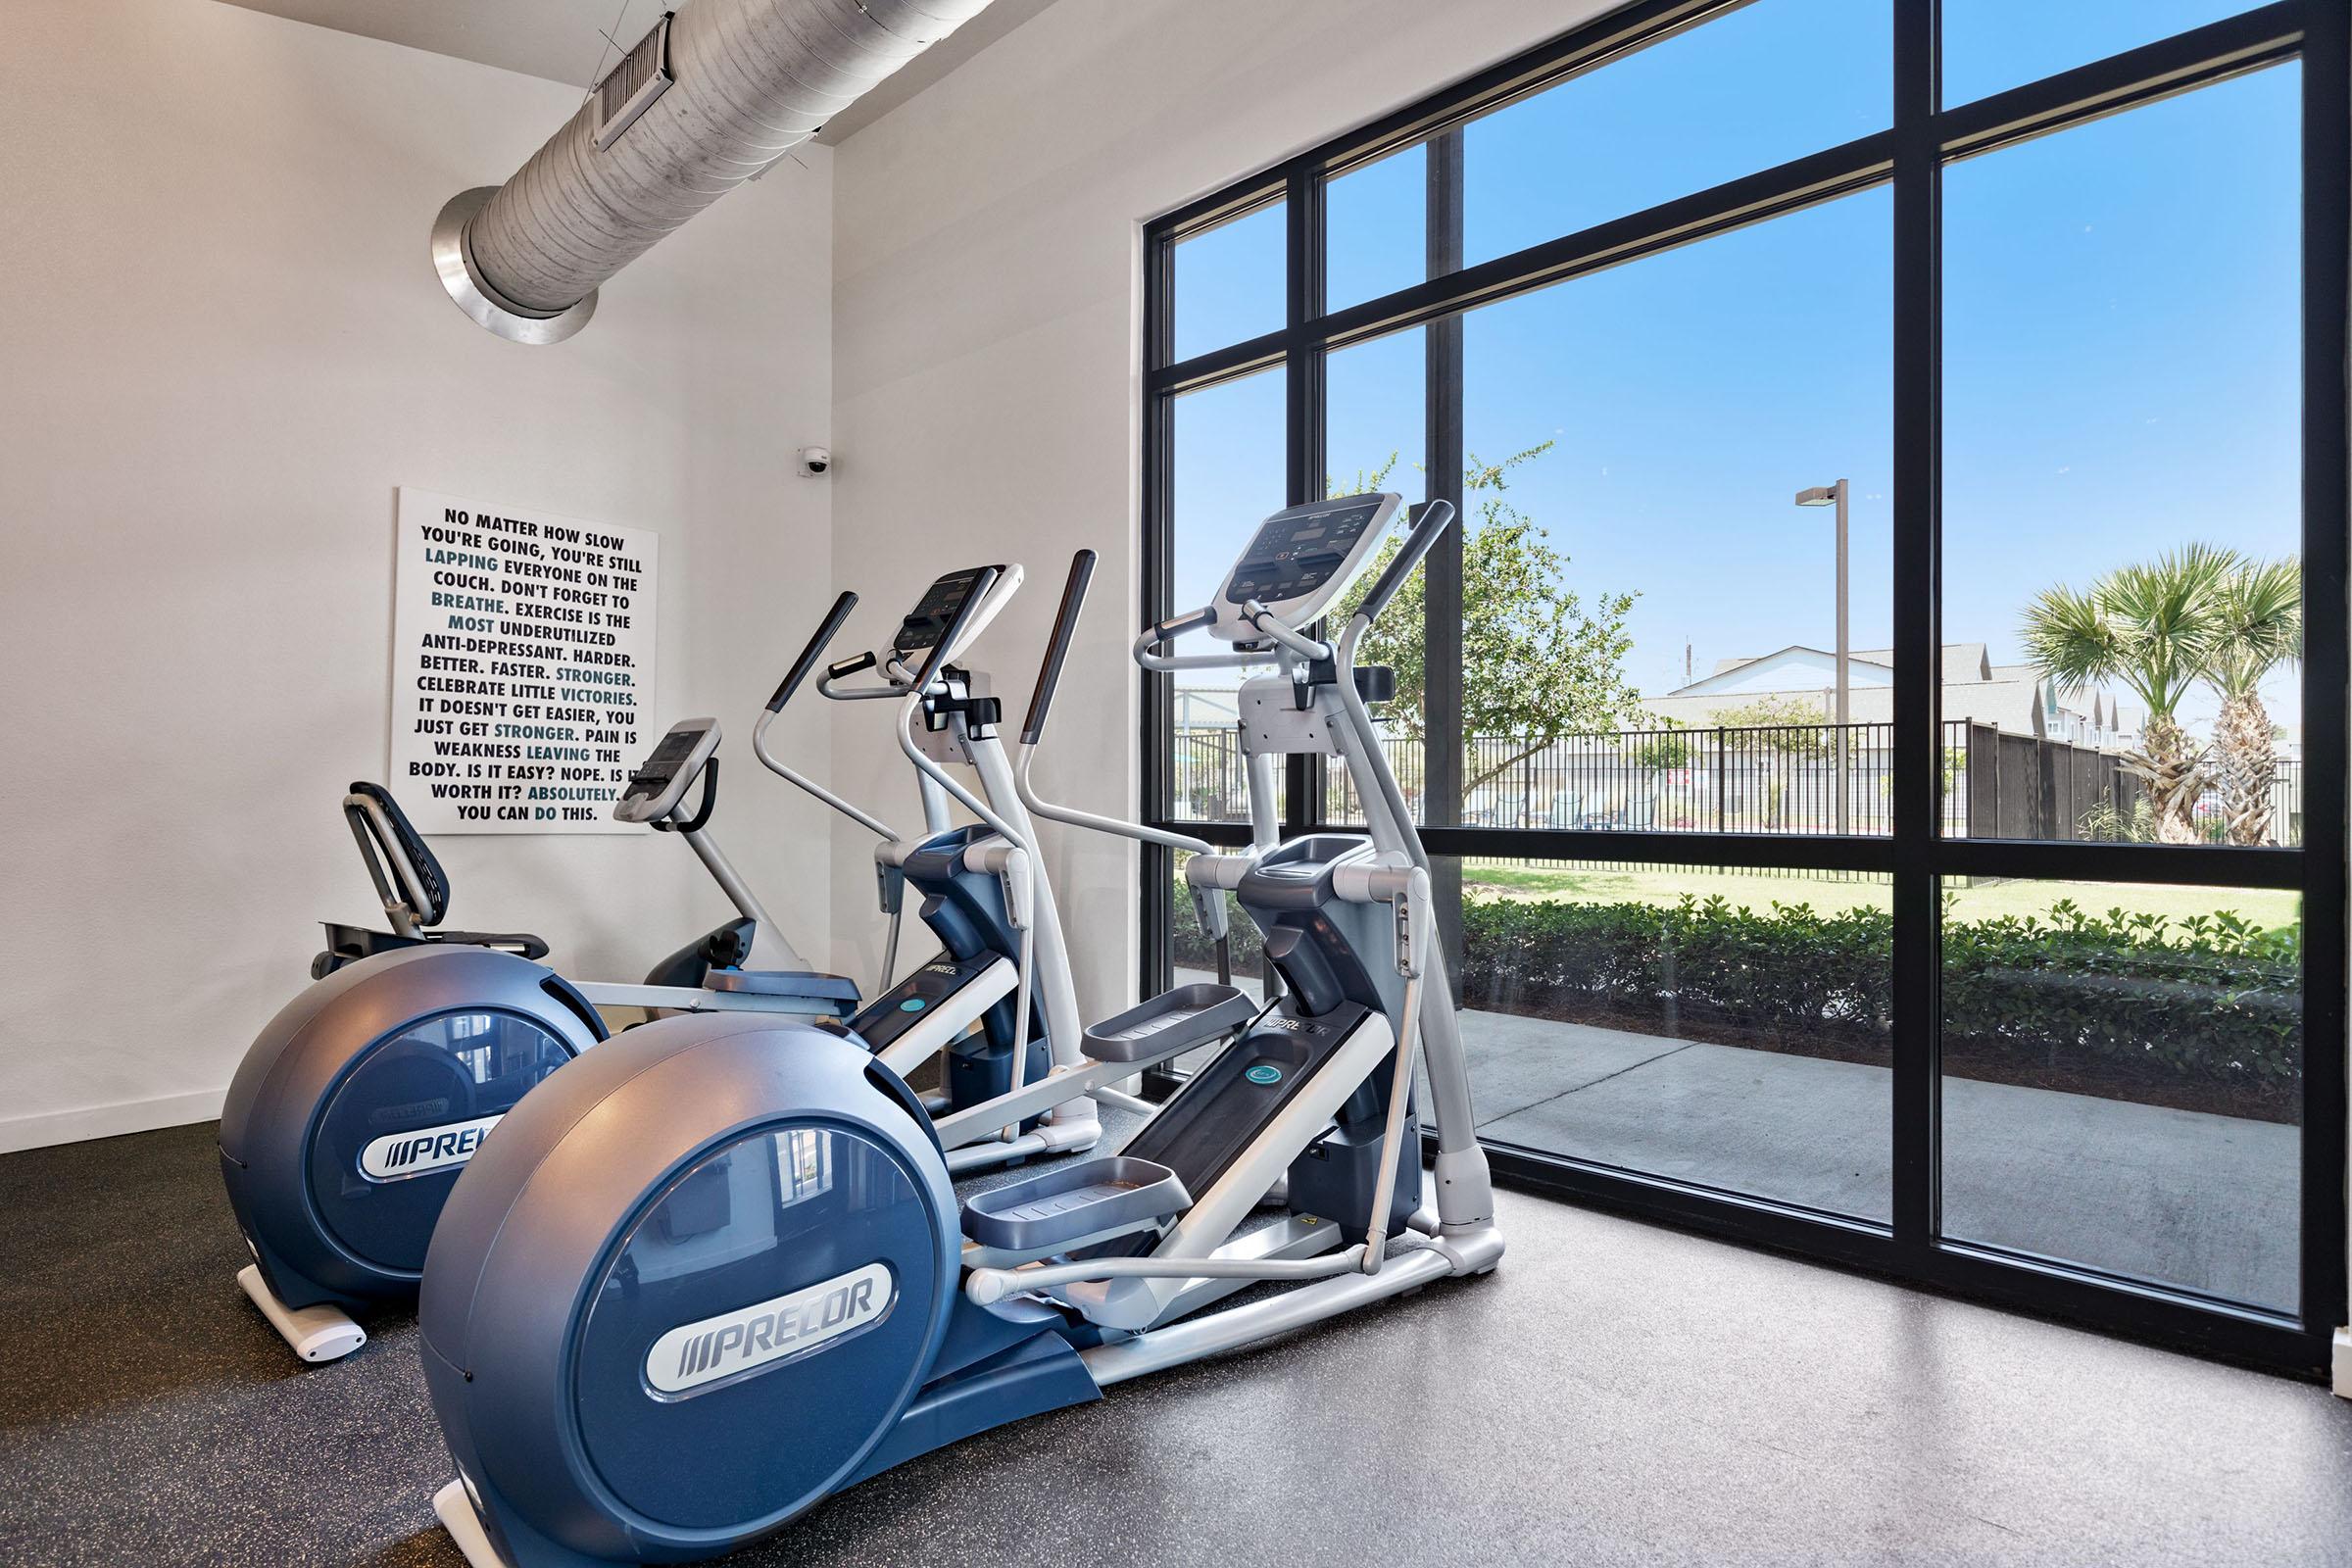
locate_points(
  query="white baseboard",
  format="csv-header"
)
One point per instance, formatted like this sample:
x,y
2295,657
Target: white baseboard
x,y
2342,1369
53,1127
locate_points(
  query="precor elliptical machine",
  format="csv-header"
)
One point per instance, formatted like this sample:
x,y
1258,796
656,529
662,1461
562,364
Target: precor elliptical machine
x,y
355,1108
1004,960
716,1271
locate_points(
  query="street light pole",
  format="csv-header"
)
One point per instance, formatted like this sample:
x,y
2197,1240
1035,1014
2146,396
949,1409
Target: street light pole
x,y
1822,495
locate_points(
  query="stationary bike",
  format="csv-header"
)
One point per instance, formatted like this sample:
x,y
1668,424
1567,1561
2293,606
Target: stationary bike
x,y
414,891
716,1271
355,1108
410,883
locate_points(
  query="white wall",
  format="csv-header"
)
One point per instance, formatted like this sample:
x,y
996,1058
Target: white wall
x,y
222,349
987,312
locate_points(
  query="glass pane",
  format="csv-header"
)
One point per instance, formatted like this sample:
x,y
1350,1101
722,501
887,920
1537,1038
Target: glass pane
x,y
1230,281
1992,45
1723,1028
2121,466
1771,82
1195,955
1651,635
2122,1080
1229,473
1375,431
1375,227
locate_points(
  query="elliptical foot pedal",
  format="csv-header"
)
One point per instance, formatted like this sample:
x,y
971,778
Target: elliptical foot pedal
x,y
1170,1024
317,1333
1071,1207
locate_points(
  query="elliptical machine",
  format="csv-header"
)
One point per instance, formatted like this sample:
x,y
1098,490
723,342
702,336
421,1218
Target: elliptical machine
x,y
355,1107
718,1271
1003,972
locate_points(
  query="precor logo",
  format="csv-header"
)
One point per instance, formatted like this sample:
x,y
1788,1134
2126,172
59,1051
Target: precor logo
x,y
753,1336
420,1151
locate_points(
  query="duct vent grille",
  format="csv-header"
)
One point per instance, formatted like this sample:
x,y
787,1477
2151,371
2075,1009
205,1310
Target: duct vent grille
x,y
630,87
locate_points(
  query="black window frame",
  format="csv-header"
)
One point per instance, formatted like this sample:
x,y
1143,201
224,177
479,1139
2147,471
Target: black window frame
x,y
1924,136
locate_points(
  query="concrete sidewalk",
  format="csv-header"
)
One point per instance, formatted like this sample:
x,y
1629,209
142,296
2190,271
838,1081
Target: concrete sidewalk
x,y
2183,1197
2180,1196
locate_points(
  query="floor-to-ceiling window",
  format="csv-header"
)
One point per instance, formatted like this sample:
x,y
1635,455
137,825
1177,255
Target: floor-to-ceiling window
x,y
1880,724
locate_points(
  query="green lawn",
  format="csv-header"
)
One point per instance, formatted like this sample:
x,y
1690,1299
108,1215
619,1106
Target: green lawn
x,y
2264,907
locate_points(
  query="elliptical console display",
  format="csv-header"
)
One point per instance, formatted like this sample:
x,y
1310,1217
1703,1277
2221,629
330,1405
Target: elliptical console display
x,y
659,788
1300,558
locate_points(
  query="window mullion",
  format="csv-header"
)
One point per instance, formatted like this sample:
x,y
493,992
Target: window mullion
x,y
2327,660
1442,740
1303,776
1918,678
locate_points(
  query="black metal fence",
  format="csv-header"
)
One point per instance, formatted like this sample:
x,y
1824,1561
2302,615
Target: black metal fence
x,y
1765,779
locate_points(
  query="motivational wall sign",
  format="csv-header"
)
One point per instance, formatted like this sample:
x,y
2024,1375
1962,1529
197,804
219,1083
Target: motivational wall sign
x,y
523,667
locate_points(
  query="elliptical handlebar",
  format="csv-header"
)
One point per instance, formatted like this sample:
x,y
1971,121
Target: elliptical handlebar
x,y
1430,519
829,684
1265,621
1428,522
801,667
1164,634
1058,649
792,682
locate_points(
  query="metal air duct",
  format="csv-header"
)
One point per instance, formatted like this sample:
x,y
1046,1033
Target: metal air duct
x,y
711,96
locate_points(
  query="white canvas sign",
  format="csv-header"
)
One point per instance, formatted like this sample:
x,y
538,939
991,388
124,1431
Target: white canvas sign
x,y
522,669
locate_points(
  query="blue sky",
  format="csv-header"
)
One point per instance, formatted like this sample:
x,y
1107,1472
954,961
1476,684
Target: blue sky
x,y
2121,328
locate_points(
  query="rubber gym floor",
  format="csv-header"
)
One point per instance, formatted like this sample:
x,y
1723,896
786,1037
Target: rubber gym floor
x,y
1615,1394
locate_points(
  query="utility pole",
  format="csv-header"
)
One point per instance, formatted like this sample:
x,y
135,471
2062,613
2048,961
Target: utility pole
x,y
1822,496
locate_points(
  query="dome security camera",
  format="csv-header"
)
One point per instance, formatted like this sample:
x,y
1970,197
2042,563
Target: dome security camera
x,y
815,462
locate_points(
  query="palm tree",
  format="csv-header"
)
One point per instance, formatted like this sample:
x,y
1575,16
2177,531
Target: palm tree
x,y
2258,627
2151,628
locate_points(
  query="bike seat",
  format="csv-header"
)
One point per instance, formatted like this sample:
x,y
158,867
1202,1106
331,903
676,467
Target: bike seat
x,y
349,943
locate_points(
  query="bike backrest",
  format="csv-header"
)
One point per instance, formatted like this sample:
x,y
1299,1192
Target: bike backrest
x,y
402,867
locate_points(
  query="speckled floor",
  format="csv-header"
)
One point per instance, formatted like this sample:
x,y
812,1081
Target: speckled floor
x,y
1615,1394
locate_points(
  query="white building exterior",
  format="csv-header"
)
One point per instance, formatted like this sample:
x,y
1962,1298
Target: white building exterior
x,y
2015,697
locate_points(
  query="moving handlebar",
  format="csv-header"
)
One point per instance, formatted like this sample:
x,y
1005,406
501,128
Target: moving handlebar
x,y
816,650
1065,626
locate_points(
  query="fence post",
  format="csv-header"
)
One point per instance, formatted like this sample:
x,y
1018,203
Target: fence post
x,y
1723,780
2045,790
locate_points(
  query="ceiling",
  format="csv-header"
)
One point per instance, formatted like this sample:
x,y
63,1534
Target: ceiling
x,y
563,40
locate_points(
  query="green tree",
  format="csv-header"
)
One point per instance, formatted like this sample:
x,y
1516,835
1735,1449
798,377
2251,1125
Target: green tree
x,y
2258,626
1536,665
1795,726
1662,749
2153,629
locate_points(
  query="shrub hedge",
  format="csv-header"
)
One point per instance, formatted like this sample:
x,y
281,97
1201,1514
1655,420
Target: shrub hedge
x,y
2210,1000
